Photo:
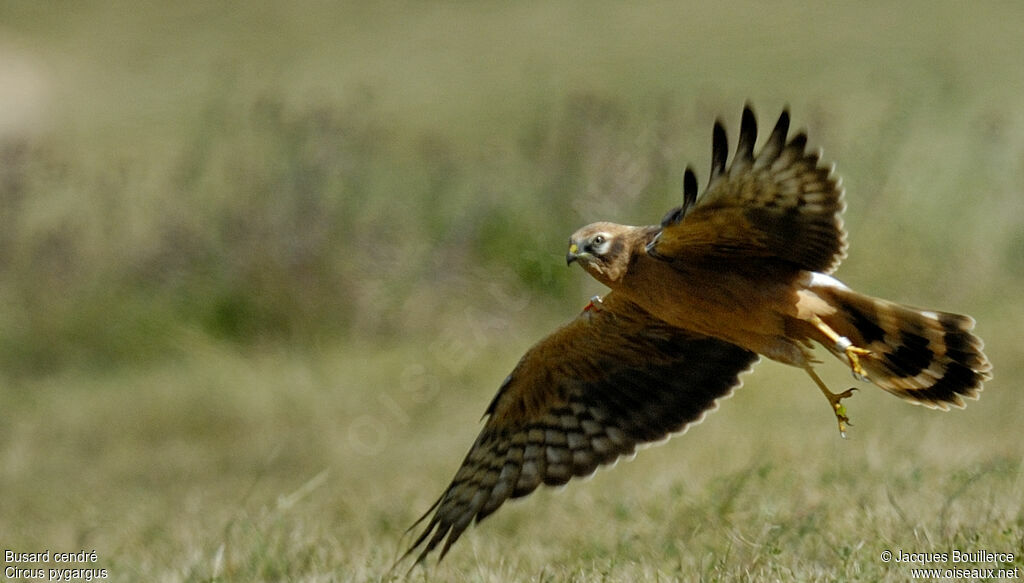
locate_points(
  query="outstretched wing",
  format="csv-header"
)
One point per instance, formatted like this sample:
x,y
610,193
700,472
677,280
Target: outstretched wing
x,y
779,204
611,379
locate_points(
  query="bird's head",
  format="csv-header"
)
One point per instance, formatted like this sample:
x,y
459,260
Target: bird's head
x,y
601,251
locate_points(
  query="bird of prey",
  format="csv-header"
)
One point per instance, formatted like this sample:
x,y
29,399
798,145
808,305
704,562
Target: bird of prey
x,y
739,270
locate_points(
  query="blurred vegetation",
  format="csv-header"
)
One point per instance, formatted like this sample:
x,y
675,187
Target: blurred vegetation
x,y
270,224
265,222
262,266
256,212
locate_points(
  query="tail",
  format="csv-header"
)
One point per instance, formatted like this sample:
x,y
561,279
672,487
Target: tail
x,y
925,357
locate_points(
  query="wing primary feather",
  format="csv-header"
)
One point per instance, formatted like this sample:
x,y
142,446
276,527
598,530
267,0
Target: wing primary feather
x,y
422,518
719,151
798,144
673,216
745,146
453,535
422,537
776,141
689,189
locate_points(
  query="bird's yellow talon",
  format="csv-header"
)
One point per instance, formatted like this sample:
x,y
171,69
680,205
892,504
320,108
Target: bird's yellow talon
x,y
835,400
853,354
840,409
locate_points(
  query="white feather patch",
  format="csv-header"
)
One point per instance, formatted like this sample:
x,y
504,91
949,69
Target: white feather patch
x,y
824,280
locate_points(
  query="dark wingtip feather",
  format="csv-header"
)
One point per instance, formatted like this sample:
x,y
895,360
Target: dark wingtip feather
x,y
422,536
447,546
777,139
689,189
748,135
799,142
783,123
672,217
719,151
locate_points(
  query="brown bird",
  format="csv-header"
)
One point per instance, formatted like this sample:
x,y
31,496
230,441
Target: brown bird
x,y
739,270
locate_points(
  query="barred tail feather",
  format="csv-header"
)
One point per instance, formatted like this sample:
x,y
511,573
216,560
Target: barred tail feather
x,y
925,357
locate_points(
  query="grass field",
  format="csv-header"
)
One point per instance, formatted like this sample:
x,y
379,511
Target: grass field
x,y
262,269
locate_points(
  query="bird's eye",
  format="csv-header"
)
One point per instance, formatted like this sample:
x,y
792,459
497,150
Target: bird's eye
x,y
598,239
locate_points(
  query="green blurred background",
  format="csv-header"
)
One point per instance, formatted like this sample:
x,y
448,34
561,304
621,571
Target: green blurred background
x,y
263,264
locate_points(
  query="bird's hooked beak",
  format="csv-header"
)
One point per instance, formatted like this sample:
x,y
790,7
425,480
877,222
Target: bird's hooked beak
x,y
572,255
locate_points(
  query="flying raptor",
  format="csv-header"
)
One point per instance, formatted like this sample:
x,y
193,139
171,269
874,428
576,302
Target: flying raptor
x,y
740,269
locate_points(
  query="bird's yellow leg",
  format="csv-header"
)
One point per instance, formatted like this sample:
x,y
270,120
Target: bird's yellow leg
x,y
834,399
853,353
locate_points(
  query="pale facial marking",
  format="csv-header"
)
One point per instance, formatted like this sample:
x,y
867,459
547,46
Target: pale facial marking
x,y
599,244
